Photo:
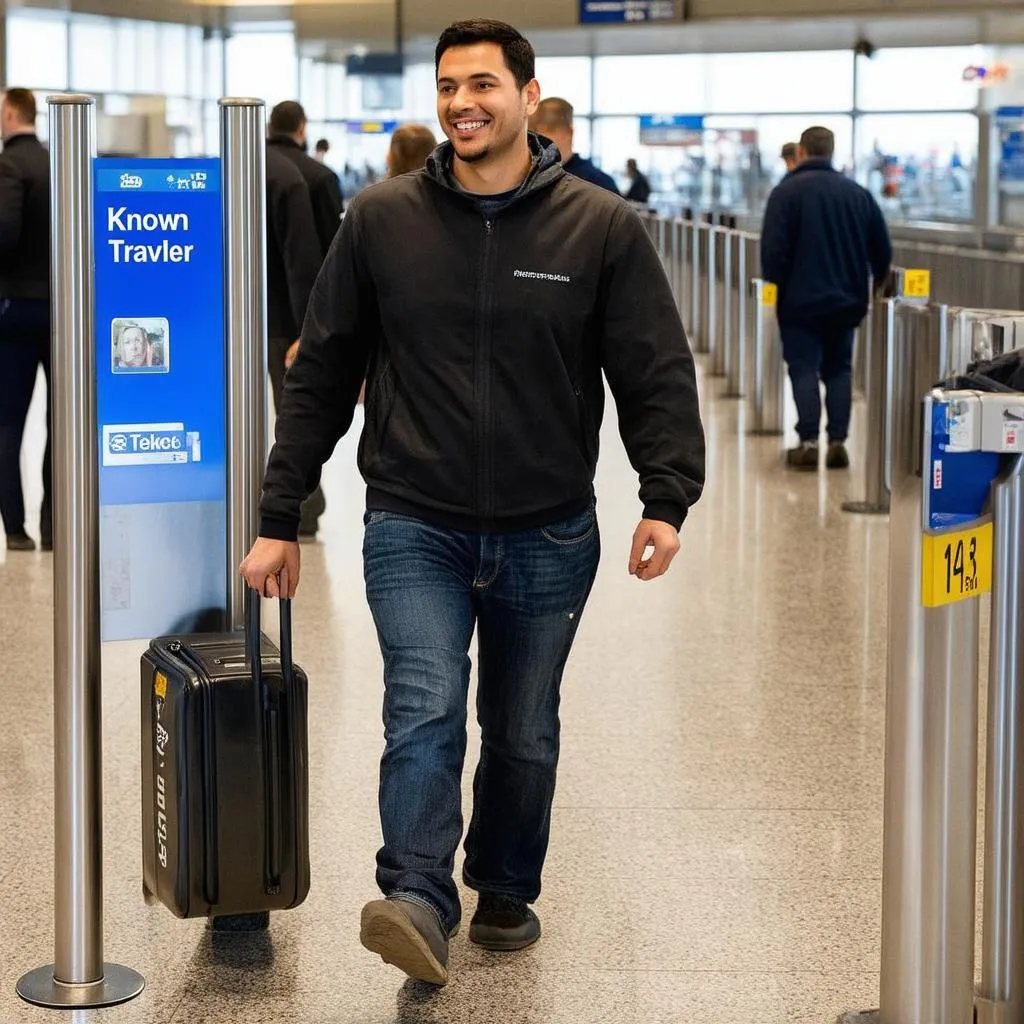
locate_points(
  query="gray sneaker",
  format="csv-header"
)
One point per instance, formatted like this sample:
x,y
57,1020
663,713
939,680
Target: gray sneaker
x,y
407,934
804,457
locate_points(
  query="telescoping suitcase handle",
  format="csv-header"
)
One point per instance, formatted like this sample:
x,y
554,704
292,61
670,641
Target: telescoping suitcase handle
x,y
269,708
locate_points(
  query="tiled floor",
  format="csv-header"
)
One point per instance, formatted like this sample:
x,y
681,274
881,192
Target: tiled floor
x,y
716,854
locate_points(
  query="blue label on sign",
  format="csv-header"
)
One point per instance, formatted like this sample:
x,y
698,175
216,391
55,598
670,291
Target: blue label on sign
x,y
371,127
159,331
1011,164
960,482
688,122
160,395
1010,114
628,11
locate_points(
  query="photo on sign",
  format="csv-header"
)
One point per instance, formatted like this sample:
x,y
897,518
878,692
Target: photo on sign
x,y
140,344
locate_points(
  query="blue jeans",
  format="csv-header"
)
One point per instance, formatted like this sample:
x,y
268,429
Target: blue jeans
x,y
820,355
427,588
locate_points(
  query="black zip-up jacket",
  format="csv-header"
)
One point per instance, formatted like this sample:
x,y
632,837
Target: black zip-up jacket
x,y
293,251
324,188
822,235
485,343
24,219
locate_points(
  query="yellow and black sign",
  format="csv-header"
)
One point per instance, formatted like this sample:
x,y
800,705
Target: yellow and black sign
x,y
917,284
956,565
769,294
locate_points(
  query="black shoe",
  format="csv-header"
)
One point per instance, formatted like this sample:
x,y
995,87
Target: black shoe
x,y
503,923
45,536
407,934
803,457
20,542
837,457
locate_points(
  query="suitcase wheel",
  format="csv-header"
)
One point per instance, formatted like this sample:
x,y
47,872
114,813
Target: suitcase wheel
x,y
259,922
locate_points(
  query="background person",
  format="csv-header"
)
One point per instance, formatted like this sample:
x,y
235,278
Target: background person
x,y
410,146
640,189
24,308
823,235
554,120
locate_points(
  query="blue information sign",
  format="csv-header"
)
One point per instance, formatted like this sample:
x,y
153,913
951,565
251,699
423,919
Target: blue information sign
x,y
371,127
603,12
671,129
160,393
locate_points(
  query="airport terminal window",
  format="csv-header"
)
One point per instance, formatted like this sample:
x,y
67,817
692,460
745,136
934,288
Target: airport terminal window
x,y
779,82
213,68
421,93
173,60
313,88
30,35
637,85
262,64
147,57
920,166
196,63
94,54
927,78
568,77
336,107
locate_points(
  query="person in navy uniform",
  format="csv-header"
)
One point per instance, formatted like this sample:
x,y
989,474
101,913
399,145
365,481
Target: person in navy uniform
x,y
554,120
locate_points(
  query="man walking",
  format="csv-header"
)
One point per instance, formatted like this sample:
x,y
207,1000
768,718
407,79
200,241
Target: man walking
x,y
24,307
823,234
554,119
484,298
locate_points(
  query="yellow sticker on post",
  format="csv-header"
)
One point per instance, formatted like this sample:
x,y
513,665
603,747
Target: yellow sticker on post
x,y
956,565
917,284
769,294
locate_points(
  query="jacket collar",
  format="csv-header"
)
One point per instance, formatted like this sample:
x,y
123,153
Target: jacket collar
x,y
15,140
814,163
547,166
286,141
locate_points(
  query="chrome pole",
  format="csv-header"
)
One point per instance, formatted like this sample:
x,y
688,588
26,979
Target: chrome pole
x,y
769,368
735,364
78,978
712,342
931,744
720,296
1001,993
877,339
696,249
243,160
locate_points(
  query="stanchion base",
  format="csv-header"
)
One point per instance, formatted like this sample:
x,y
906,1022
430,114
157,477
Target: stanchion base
x,y
862,1017
766,433
731,393
118,985
865,508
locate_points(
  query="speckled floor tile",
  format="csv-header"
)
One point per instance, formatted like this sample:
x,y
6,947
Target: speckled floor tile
x,y
717,829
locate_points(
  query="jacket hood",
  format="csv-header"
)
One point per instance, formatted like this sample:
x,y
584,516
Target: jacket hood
x,y
547,164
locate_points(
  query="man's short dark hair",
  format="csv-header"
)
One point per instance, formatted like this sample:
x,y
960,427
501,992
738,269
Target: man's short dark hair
x,y
287,118
818,142
516,49
322,145
554,111
789,151
23,103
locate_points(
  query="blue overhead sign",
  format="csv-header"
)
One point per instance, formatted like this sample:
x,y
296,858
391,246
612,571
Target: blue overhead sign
x,y
598,12
371,127
671,129
160,391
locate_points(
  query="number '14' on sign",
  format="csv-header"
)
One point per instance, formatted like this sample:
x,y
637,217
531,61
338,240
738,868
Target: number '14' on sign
x,y
959,575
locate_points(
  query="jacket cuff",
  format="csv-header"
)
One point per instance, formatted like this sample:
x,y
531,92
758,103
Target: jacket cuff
x,y
279,529
665,512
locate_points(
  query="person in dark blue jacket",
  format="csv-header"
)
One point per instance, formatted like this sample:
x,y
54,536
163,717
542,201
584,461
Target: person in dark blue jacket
x,y
822,236
554,120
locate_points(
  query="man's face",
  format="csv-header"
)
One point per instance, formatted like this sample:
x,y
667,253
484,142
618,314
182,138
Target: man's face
x,y
479,106
559,133
133,347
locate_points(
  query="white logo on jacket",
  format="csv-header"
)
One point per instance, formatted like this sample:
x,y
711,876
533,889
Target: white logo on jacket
x,y
533,275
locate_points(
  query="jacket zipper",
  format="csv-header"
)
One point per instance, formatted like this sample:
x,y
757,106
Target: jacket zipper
x,y
485,500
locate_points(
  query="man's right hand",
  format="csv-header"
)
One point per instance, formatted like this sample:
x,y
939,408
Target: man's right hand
x,y
272,567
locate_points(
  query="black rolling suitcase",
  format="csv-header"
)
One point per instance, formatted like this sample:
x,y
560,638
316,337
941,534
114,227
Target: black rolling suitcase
x,y
225,773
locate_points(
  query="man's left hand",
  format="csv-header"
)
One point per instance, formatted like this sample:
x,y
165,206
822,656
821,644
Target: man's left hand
x,y
664,538
289,356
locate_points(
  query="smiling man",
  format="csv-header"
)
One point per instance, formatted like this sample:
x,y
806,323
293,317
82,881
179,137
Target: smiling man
x,y
485,298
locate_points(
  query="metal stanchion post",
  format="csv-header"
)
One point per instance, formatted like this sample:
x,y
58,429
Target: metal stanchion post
x,y
695,324
878,354
712,342
1001,993
243,158
736,362
769,369
720,300
78,978
931,747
